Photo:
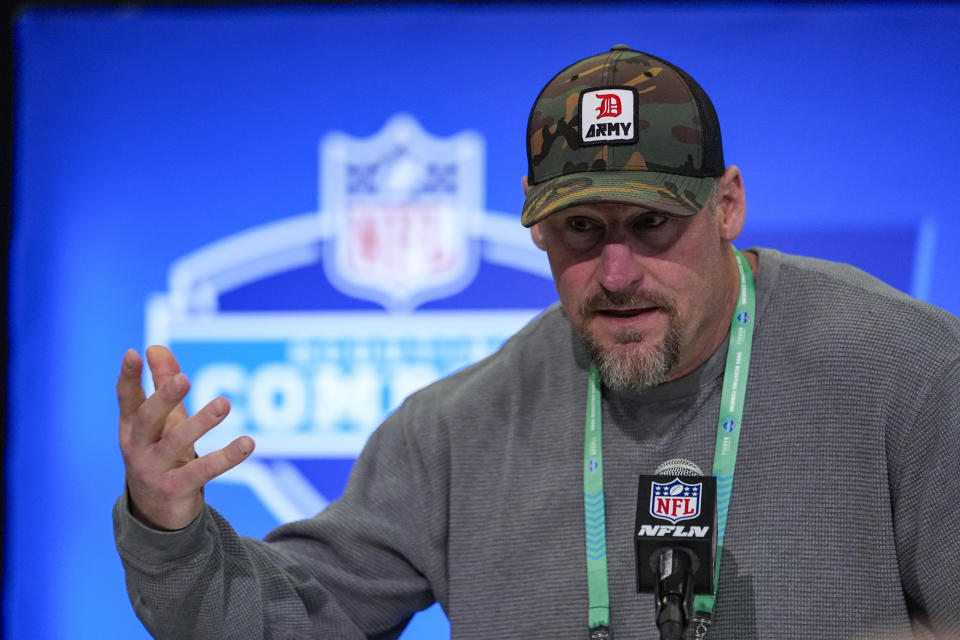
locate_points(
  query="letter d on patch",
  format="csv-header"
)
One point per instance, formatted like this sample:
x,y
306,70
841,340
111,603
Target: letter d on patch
x,y
608,116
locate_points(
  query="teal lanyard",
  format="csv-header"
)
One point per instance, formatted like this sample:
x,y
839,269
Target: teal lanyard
x,y
593,509
724,460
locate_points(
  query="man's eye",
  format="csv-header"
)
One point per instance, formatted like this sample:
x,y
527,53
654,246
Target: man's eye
x,y
651,221
580,225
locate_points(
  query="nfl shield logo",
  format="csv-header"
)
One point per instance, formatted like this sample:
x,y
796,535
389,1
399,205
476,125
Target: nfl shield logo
x,y
675,501
403,204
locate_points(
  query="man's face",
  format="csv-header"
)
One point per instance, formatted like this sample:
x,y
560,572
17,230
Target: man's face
x,y
650,294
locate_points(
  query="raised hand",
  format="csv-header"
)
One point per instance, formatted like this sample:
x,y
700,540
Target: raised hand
x,y
165,479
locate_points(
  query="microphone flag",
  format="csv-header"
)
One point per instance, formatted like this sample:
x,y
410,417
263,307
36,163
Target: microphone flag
x,y
678,513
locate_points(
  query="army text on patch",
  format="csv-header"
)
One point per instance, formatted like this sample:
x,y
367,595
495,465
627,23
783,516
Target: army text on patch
x,y
608,116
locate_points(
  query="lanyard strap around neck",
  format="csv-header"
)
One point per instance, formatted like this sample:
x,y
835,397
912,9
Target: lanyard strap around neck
x,y
724,462
731,413
593,509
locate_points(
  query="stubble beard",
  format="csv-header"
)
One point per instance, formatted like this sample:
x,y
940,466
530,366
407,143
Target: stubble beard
x,y
632,364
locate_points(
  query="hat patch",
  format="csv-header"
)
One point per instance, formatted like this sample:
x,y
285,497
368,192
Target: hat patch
x,y
608,116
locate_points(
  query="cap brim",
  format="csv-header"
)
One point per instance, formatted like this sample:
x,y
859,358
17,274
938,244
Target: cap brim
x,y
674,195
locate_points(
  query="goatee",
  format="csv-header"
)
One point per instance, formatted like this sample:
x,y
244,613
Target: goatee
x,y
630,365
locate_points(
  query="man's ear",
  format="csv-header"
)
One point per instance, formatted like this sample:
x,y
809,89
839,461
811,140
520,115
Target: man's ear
x,y
731,204
526,185
537,235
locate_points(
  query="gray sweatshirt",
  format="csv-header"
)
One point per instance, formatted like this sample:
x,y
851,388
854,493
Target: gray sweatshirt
x,y
843,519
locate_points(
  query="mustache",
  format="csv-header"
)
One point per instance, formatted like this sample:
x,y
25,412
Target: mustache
x,y
613,301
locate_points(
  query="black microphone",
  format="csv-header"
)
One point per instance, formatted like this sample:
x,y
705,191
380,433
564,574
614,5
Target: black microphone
x,y
676,541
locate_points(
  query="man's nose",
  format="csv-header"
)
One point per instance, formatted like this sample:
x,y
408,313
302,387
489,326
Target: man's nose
x,y
619,269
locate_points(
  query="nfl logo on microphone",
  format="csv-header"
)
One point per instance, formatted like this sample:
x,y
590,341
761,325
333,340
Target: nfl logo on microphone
x,y
675,501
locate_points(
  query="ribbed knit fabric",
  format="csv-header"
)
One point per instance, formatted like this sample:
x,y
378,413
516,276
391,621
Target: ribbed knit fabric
x,y
843,521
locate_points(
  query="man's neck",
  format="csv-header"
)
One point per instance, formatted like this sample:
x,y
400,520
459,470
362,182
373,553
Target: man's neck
x,y
721,328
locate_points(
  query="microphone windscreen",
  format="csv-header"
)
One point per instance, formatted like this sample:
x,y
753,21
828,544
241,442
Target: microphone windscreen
x,y
678,467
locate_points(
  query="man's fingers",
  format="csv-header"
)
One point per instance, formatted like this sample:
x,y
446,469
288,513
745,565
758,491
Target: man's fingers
x,y
154,412
163,367
185,435
202,470
129,390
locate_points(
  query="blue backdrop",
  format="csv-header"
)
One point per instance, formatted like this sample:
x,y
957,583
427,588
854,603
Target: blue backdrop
x,y
155,146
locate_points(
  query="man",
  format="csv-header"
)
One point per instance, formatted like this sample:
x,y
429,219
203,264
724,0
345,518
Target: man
x,y
472,493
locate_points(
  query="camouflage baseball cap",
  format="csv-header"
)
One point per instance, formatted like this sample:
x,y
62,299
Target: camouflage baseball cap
x,y
622,126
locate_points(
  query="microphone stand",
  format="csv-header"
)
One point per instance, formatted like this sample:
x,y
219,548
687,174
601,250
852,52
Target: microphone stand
x,y
674,593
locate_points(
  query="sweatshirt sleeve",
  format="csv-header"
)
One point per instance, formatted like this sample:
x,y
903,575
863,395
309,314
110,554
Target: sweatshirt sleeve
x,y
359,569
925,483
